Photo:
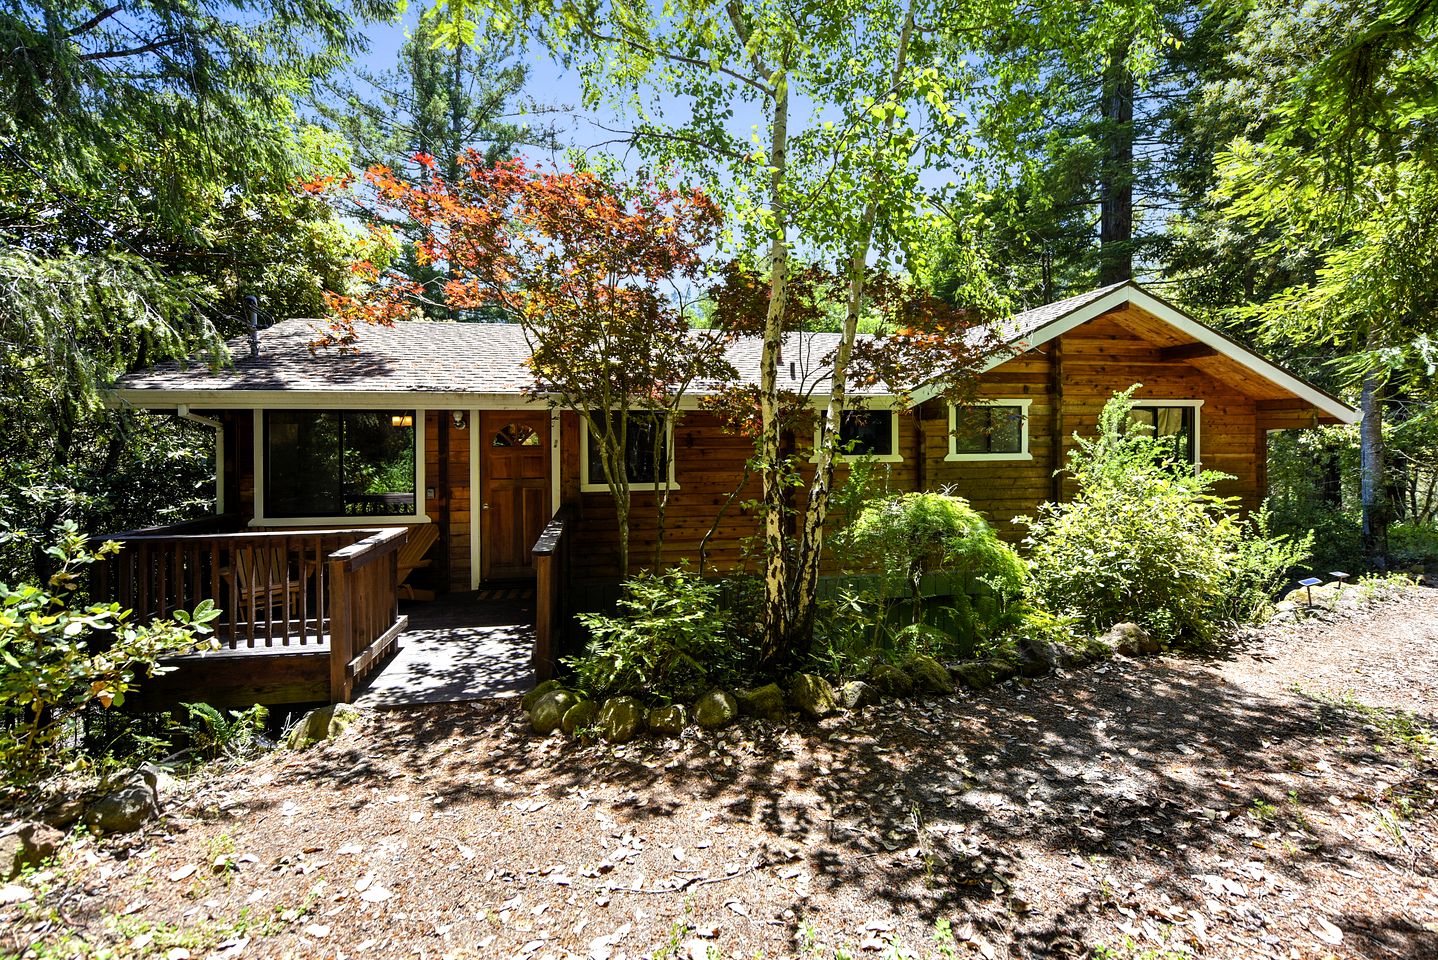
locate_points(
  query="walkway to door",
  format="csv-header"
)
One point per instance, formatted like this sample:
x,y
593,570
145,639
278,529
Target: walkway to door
x,y
463,646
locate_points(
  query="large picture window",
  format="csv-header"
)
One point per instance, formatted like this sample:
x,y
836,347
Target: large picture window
x,y
330,463
989,431
1172,423
641,466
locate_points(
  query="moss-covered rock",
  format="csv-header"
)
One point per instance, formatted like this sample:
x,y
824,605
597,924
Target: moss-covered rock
x,y
326,723
667,720
857,694
890,680
1131,640
581,716
928,674
766,702
532,697
620,719
1037,657
717,708
549,710
982,674
812,696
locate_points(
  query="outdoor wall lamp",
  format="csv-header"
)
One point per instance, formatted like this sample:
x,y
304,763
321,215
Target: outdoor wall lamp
x,y
458,419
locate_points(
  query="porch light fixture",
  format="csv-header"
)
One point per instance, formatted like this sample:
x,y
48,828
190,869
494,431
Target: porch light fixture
x,y
401,420
458,419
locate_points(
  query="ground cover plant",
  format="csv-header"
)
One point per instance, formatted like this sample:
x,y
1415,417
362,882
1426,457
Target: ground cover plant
x,y
1146,540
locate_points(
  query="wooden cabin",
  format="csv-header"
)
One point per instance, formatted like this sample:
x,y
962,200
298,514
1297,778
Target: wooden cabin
x,y
431,425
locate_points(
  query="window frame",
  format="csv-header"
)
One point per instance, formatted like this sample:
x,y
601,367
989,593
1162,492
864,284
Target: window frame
x,y
261,466
602,487
867,406
1197,407
1024,451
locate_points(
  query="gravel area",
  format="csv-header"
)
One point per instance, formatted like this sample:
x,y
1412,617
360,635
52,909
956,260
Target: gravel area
x,y
1268,803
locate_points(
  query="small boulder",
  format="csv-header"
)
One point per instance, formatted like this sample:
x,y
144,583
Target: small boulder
x,y
717,708
126,809
1130,639
812,696
26,844
977,674
668,720
766,702
532,697
581,716
890,680
549,710
928,674
856,694
326,723
1037,657
620,719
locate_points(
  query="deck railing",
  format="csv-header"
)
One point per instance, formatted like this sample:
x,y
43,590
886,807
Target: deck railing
x,y
282,590
551,574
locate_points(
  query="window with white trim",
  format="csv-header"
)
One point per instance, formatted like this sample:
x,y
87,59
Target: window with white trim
x,y
989,430
1174,423
642,429
339,463
867,432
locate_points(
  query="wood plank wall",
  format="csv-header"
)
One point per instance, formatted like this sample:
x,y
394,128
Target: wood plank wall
x,y
450,483
1097,359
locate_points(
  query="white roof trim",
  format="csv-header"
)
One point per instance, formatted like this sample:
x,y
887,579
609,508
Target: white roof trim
x,y
1132,293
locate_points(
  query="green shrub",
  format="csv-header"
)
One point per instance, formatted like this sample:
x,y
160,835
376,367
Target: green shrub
x,y
213,733
1413,543
59,659
1146,540
670,642
911,534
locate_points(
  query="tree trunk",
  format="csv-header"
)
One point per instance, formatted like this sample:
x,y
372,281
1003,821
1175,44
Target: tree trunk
x,y
776,597
1116,172
1374,489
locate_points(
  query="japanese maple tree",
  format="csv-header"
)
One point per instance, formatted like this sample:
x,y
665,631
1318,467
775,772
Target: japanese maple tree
x,y
600,276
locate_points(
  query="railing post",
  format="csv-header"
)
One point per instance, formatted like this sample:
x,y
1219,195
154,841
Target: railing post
x,y
341,631
542,662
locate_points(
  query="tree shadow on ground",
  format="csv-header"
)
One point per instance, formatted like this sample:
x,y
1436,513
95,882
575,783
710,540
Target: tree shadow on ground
x,y
945,808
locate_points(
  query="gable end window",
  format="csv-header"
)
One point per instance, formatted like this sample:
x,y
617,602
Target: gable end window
x,y
989,430
339,463
641,432
1175,422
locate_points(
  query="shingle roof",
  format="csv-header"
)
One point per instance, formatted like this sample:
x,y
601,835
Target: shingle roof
x,y
428,357
1022,324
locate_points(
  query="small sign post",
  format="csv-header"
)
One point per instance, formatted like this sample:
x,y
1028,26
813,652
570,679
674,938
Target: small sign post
x,y
1309,583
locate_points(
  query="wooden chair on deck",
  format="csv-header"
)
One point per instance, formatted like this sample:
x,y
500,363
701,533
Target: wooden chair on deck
x,y
412,556
265,581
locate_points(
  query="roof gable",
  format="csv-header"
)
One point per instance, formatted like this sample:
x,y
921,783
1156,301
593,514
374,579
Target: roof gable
x,y
1033,328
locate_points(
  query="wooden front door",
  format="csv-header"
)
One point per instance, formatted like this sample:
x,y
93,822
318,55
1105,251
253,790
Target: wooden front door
x,y
514,491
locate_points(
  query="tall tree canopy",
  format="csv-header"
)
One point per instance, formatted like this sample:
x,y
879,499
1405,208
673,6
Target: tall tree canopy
x,y
149,151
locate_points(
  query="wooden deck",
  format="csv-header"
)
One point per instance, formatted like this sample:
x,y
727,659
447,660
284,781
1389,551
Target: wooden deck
x,y
314,617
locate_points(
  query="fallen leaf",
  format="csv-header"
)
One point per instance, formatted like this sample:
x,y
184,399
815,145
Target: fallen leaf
x,y
188,870
1327,932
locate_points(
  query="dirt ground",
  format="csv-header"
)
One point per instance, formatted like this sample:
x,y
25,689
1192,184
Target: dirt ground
x,y
1264,804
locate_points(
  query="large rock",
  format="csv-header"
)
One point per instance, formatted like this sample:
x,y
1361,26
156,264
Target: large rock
x,y
532,697
1130,639
620,719
978,674
857,694
326,723
26,844
766,702
581,716
549,710
1037,657
891,681
928,674
812,696
716,709
668,720
126,809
